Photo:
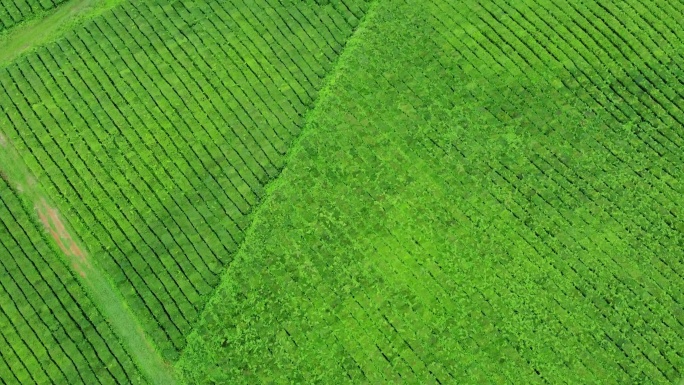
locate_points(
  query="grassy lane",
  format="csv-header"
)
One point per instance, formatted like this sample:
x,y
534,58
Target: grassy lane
x,y
36,32
14,43
96,282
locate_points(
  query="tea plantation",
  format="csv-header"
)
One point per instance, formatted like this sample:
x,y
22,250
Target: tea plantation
x,y
342,192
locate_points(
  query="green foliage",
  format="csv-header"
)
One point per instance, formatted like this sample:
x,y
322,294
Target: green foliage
x,y
472,192
14,12
51,331
156,127
485,194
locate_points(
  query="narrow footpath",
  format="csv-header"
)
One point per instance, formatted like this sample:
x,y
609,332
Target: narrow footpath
x,y
94,280
36,32
13,43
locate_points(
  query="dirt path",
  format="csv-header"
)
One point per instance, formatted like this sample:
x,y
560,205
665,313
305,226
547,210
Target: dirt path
x,y
96,281
53,224
104,293
36,32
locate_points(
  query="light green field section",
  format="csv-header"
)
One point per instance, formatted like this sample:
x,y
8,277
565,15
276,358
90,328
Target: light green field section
x,y
153,128
486,194
343,191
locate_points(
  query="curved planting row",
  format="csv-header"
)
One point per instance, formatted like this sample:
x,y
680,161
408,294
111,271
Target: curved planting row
x,y
629,185
157,126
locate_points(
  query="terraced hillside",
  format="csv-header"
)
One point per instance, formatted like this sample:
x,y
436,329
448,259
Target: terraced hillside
x,y
346,191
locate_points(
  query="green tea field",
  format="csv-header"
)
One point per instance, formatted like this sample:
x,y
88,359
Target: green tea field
x,y
342,192
13,13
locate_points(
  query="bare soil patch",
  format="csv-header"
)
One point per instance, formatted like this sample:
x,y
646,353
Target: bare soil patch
x,y
52,222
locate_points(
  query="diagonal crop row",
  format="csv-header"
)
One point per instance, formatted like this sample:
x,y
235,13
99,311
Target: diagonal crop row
x,y
670,364
13,12
159,136
51,332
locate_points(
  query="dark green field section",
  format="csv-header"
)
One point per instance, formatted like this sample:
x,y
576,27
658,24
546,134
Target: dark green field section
x,y
50,331
490,193
13,12
156,126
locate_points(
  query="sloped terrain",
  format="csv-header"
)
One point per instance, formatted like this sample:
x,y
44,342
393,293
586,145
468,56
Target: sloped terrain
x,y
481,197
156,126
346,191
51,332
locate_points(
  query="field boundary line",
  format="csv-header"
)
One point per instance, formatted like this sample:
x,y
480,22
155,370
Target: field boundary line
x,y
294,149
48,26
96,282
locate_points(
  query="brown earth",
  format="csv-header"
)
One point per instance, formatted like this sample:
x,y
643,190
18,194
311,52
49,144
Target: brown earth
x,y
52,222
